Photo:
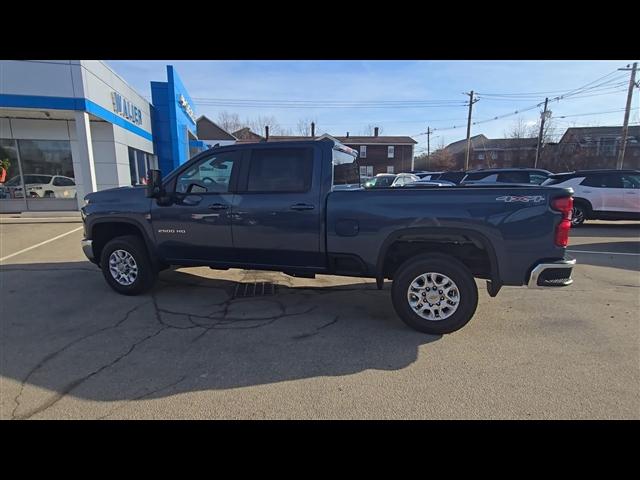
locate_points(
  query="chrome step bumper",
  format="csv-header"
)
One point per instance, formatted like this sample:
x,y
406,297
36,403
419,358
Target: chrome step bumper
x,y
87,248
555,274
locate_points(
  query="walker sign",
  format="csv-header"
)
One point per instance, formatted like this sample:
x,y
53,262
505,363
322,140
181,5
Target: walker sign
x,y
126,109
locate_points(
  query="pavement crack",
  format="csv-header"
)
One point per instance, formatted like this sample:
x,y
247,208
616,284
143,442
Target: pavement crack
x,y
54,354
311,334
76,383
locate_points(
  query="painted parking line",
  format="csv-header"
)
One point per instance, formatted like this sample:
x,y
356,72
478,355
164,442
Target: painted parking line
x,y
602,253
39,244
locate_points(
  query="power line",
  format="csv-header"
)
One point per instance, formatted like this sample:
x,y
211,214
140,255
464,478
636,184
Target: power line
x,y
301,103
586,91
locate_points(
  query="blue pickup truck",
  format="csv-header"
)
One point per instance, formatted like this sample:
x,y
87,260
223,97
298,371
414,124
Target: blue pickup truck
x,y
297,208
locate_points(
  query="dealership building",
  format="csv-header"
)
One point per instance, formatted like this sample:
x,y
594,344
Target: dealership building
x,y
71,127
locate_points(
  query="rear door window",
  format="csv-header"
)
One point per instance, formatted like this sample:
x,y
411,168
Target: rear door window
x,y
603,180
280,170
631,180
513,177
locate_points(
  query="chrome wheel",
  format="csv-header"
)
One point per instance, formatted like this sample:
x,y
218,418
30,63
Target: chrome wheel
x,y
577,216
123,267
433,296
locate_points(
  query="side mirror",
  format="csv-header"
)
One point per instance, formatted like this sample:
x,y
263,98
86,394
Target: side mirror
x,y
154,184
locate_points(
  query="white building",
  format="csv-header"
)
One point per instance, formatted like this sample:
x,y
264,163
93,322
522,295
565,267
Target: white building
x,y
70,127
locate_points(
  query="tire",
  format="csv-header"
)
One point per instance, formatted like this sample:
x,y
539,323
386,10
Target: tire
x,y
462,290
579,214
129,247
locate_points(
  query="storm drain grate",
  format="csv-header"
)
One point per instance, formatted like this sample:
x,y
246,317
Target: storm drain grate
x,y
255,289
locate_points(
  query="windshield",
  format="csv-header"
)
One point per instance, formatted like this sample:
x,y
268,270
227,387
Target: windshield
x,y
345,167
383,181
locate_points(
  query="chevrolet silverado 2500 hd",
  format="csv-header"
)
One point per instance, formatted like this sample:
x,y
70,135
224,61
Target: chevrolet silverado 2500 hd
x,y
292,207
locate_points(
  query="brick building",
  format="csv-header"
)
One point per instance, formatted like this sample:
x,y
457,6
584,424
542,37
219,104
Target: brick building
x,y
377,153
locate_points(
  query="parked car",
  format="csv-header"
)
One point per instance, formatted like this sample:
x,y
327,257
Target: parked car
x,y
601,194
507,175
455,177
430,183
404,178
41,186
280,201
381,180
425,175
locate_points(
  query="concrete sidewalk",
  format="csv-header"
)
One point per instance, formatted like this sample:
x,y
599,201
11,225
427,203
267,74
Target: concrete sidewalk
x,y
41,217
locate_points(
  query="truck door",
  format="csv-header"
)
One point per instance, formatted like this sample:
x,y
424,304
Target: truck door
x,y
197,225
277,212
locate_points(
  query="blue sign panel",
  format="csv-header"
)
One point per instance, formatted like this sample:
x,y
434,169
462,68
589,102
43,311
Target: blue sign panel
x,y
174,121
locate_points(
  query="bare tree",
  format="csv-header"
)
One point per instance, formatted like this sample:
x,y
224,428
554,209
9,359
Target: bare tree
x,y
257,124
548,132
230,121
304,126
369,130
519,129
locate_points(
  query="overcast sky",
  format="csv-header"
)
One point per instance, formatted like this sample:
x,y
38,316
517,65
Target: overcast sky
x,y
376,81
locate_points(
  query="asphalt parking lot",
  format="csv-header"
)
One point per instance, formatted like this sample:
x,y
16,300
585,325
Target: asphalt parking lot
x,y
207,344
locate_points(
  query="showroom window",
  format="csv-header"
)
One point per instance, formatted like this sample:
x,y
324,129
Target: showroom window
x,y
38,170
10,179
43,163
139,163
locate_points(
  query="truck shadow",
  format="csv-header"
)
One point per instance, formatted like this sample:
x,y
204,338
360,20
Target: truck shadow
x,y
66,333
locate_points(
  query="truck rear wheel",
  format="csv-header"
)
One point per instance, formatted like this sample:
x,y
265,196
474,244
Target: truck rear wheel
x,y
434,293
126,266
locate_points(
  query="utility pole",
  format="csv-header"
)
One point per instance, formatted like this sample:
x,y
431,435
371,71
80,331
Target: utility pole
x,y
471,102
429,132
543,117
625,127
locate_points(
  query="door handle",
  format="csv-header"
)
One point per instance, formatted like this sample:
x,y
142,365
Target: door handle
x,y
218,206
631,193
302,206
587,191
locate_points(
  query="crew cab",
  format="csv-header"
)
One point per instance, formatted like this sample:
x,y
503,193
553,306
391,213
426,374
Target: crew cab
x,y
279,206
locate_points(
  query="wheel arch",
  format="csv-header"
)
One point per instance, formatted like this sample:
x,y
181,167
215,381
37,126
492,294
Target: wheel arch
x,y
444,235
583,201
102,230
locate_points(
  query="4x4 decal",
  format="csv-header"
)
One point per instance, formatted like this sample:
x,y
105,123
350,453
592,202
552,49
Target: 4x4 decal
x,y
521,198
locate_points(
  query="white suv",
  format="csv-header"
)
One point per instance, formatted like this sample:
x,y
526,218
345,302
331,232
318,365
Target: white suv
x,y
42,186
601,194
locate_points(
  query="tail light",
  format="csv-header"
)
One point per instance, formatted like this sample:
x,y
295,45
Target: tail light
x,y
563,205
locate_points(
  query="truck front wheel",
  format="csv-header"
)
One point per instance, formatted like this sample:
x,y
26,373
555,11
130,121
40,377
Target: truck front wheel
x,y
126,266
434,293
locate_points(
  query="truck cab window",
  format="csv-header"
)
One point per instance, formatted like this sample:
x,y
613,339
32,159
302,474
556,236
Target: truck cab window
x,y
210,175
345,168
280,170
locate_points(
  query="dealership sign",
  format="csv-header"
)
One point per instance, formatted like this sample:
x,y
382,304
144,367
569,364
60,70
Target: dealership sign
x,y
187,108
126,109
